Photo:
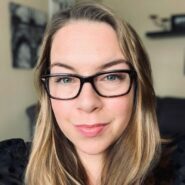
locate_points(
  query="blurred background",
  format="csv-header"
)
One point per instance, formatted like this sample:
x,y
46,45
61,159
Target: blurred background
x,y
17,92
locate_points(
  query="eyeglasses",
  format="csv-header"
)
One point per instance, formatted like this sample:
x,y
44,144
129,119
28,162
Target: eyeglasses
x,y
63,86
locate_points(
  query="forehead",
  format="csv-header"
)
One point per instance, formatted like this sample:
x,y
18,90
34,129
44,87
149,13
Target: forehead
x,y
85,42
85,26
84,31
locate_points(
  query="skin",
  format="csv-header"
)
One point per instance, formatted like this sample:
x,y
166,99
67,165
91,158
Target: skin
x,y
85,47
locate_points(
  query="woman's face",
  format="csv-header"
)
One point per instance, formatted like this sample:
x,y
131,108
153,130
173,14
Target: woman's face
x,y
91,122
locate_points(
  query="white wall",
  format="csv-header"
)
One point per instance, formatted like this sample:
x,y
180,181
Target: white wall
x,y
16,86
167,54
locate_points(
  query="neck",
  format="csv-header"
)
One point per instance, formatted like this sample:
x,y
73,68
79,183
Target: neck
x,y
93,165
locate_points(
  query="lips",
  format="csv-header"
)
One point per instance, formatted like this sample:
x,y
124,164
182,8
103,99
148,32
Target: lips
x,y
91,130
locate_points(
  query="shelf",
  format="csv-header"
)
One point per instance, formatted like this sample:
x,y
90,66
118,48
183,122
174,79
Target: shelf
x,y
161,34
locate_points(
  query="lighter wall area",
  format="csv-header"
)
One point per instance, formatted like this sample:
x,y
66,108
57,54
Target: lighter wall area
x,y
16,86
167,54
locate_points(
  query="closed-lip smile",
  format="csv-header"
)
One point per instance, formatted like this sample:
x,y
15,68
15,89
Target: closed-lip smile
x,y
91,130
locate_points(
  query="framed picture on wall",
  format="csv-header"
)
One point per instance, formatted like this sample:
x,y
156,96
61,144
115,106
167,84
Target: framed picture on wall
x,y
27,30
56,5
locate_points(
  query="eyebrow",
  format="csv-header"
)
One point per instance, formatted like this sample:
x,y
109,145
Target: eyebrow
x,y
59,64
113,63
104,66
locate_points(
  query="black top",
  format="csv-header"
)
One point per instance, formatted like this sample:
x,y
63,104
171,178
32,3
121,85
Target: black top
x,y
13,160
170,170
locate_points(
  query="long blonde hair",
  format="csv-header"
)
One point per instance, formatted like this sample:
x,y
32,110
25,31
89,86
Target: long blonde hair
x,y
53,159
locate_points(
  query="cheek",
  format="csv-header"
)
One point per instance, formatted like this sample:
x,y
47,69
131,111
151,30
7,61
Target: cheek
x,y
120,110
62,110
121,107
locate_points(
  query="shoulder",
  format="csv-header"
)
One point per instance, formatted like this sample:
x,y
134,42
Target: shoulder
x,y
13,160
170,169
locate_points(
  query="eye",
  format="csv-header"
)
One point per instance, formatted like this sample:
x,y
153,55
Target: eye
x,y
64,79
112,77
115,77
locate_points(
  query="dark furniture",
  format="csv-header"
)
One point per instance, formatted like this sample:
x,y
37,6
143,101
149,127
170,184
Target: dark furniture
x,y
171,116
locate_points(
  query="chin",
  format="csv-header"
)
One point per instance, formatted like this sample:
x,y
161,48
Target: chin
x,y
93,148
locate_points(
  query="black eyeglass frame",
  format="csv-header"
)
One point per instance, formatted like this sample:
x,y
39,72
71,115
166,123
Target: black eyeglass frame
x,y
88,79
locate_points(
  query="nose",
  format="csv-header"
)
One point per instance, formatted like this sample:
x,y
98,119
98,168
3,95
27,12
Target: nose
x,y
88,99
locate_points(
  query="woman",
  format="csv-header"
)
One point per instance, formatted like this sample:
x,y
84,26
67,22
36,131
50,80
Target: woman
x,y
97,122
